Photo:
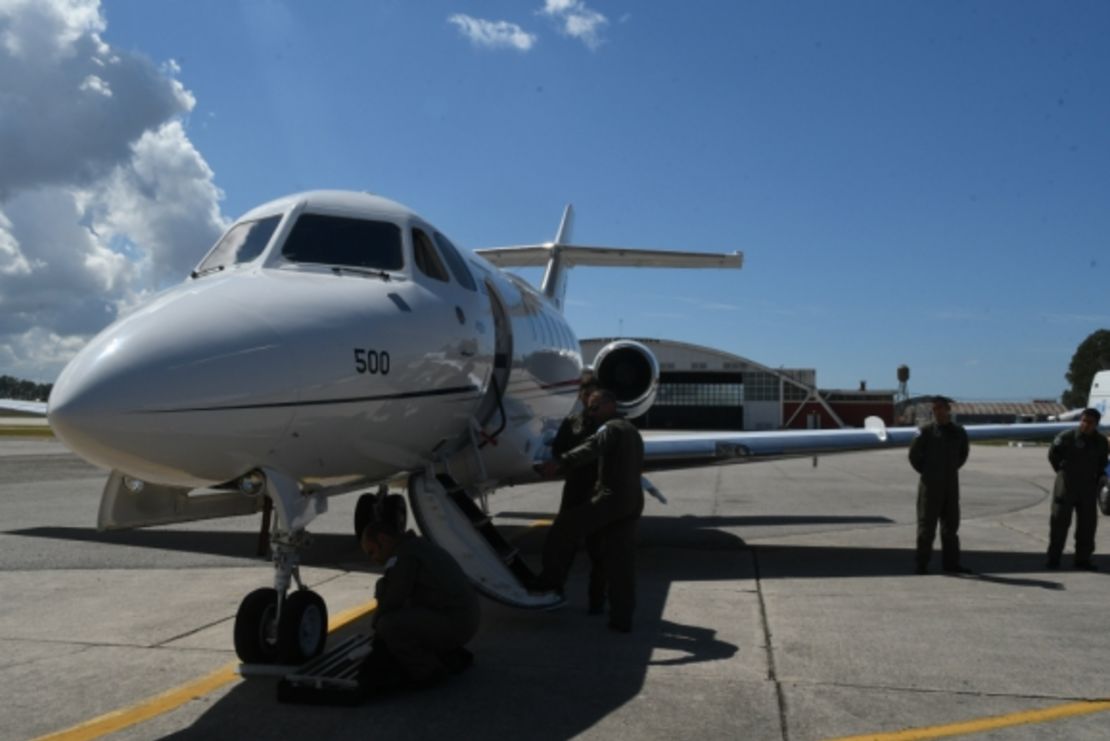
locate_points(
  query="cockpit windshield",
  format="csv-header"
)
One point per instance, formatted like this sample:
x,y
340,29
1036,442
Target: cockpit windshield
x,y
242,243
342,241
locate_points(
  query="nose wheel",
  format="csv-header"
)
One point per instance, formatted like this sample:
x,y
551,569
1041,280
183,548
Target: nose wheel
x,y
291,634
303,627
256,627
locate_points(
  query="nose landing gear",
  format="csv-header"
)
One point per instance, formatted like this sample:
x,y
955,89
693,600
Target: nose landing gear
x,y
272,625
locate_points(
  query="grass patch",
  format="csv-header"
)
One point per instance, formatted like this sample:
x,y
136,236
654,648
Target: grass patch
x,y
25,431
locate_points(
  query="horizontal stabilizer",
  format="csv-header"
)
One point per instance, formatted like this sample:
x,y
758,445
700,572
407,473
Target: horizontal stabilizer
x,y
538,255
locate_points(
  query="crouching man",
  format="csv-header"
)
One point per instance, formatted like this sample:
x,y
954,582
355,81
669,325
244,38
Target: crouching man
x,y
427,610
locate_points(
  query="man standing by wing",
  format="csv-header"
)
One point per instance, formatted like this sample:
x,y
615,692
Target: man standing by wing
x,y
613,511
937,453
579,485
1079,458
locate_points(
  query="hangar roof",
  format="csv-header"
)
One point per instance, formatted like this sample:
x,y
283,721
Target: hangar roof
x,y
675,355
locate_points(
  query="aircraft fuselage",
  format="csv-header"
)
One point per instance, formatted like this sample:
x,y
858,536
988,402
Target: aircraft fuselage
x,y
325,368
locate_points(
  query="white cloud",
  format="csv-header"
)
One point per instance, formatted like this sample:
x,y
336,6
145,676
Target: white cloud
x,y
95,84
49,349
71,106
103,198
576,20
12,260
48,29
493,34
163,200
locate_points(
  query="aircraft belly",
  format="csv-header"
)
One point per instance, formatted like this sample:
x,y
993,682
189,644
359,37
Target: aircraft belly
x,y
374,438
191,449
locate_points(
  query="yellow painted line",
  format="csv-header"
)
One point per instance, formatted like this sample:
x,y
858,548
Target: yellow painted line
x,y
347,617
991,723
171,699
119,719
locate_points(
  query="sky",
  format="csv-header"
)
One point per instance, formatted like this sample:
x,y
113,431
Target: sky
x,y
919,183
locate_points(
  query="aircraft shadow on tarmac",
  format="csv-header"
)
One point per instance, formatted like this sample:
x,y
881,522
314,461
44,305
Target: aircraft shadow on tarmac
x,y
553,675
326,550
688,532
537,675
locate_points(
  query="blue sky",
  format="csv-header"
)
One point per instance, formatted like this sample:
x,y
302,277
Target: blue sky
x,y
911,182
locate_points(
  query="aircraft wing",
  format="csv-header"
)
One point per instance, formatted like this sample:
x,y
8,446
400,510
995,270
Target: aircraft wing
x,y
691,449
23,407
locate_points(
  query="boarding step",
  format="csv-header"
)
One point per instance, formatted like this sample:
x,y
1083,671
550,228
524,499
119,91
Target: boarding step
x,y
335,669
483,523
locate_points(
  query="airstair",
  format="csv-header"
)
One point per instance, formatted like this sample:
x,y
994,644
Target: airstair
x,y
448,515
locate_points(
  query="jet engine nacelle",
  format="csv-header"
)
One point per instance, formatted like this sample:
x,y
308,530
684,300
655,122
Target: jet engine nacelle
x,y
631,372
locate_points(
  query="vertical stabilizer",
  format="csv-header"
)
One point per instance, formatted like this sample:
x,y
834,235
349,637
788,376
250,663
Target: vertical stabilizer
x,y
1099,397
554,284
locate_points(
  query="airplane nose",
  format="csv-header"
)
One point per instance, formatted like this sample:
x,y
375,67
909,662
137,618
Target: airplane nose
x,y
133,398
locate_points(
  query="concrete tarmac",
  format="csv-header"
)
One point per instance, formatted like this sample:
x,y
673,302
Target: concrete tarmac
x,y
776,601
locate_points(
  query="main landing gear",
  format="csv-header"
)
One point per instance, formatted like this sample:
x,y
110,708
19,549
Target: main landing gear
x,y
274,625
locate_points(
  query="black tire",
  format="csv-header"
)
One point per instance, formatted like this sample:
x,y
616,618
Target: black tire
x,y
303,628
256,632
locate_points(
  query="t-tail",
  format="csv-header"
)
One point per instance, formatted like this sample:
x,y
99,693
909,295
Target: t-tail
x,y
560,256
1098,398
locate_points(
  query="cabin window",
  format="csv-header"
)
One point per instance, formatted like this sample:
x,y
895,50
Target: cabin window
x,y
426,258
455,262
338,240
242,243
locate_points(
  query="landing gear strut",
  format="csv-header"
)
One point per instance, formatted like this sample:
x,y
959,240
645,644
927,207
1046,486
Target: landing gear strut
x,y
273,625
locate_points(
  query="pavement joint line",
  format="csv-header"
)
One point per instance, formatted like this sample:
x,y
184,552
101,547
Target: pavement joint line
x,y
1020,531
82,644
174,698
936,691
194,631
85,645
186,634
988,723
772,675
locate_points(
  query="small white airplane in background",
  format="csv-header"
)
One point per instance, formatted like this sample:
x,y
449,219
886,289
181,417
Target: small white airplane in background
x,y
20,406
333,341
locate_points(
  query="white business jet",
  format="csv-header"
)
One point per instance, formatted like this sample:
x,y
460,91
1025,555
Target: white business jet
x,y
332,341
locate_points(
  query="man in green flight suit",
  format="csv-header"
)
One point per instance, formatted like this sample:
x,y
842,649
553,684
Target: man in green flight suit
x,y
614,510
1079,458
937,453
427,610
578,486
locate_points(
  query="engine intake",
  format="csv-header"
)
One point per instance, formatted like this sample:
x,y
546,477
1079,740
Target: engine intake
x,y
631,372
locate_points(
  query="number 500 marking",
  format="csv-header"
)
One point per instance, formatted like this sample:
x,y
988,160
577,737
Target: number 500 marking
x,y
371,361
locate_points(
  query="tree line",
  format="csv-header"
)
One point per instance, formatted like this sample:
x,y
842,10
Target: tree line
x,y
1092,355
17,388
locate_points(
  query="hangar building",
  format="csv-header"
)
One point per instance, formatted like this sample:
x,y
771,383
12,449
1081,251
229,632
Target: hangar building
x,y
707,389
